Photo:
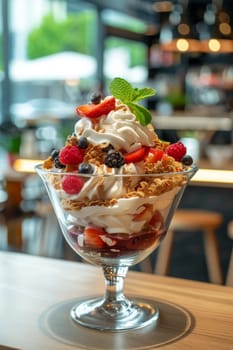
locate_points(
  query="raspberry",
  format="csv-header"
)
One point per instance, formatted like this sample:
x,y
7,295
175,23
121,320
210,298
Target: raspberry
x,y
176,150
72,184
70,155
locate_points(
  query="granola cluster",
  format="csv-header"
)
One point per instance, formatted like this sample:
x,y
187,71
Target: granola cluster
x,y
146,187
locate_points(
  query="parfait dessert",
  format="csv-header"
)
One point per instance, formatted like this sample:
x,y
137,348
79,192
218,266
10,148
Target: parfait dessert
x,y
115,185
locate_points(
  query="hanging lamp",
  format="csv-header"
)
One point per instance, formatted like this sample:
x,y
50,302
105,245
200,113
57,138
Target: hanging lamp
x,y
178,34
215,32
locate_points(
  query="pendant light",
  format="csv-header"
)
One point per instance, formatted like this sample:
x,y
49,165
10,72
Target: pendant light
x,y
215,32
177,34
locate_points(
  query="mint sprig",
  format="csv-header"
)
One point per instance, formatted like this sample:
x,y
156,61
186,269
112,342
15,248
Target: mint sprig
x,y
123,90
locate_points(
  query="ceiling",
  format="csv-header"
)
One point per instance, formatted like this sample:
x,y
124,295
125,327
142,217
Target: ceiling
x,y
144,9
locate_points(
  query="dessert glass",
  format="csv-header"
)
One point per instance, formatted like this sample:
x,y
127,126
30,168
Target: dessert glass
x,y
115,233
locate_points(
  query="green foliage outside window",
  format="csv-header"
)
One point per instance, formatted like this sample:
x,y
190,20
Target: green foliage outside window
x,y
136,50
72,34
76,33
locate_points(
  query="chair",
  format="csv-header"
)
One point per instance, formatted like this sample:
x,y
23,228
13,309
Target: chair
x,y
186,220
229,279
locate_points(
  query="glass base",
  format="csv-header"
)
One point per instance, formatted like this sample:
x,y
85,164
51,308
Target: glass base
x,y
114,316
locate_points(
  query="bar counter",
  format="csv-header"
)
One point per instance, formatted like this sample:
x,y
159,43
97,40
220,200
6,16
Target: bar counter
x,y
36,295
191,121
206,176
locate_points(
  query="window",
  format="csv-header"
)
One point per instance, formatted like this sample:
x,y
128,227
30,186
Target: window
x,y
52,53
55,54
124,57
1,62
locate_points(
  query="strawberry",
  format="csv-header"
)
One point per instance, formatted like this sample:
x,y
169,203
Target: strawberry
x,y
92,237
176,150
72,184
93,111
145,214
157,221
70,155
136,156
154,155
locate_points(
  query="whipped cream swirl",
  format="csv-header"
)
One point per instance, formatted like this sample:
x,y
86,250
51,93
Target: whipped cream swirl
x,y
120,217
120,128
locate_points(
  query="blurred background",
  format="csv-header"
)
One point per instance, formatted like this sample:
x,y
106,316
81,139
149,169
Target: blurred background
x,y
55,53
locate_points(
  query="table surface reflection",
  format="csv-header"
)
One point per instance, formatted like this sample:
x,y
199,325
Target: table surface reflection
x,y
36,295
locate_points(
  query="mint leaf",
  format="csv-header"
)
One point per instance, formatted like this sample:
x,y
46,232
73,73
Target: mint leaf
x,y
139,94
122,89
142,114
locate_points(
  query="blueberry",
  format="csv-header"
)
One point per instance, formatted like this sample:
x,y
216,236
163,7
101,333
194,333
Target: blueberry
x,y
58,164
96,98
82,142
85,168
187,160
55,157
54,154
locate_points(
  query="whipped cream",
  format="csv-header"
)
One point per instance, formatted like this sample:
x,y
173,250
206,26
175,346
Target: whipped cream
x,y
120,128
99,187
119,218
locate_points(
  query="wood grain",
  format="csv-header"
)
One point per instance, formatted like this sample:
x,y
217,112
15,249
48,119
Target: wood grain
x,y
36,292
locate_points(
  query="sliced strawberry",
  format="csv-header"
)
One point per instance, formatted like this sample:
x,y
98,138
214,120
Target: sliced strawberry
x,y
154,155
93,111
145,214
157,221
92,237
85,110
136,156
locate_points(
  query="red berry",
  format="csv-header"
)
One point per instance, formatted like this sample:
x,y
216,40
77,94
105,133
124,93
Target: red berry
x,y
154,155
136,156
145,214
71,155
176,150
157,221
72,184
92,237
93,111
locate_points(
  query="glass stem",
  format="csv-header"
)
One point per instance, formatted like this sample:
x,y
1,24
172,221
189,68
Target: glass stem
x,y
114,302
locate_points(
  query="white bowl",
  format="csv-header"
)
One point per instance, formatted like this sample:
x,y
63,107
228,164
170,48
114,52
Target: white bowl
x,y
219,154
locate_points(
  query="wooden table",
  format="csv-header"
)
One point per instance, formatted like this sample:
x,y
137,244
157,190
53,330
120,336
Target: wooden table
x,y
37,293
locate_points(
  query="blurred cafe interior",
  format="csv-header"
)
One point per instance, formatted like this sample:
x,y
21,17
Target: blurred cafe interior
x,y
55,53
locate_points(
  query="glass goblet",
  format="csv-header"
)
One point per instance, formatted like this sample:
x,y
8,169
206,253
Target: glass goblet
x,y
114,221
